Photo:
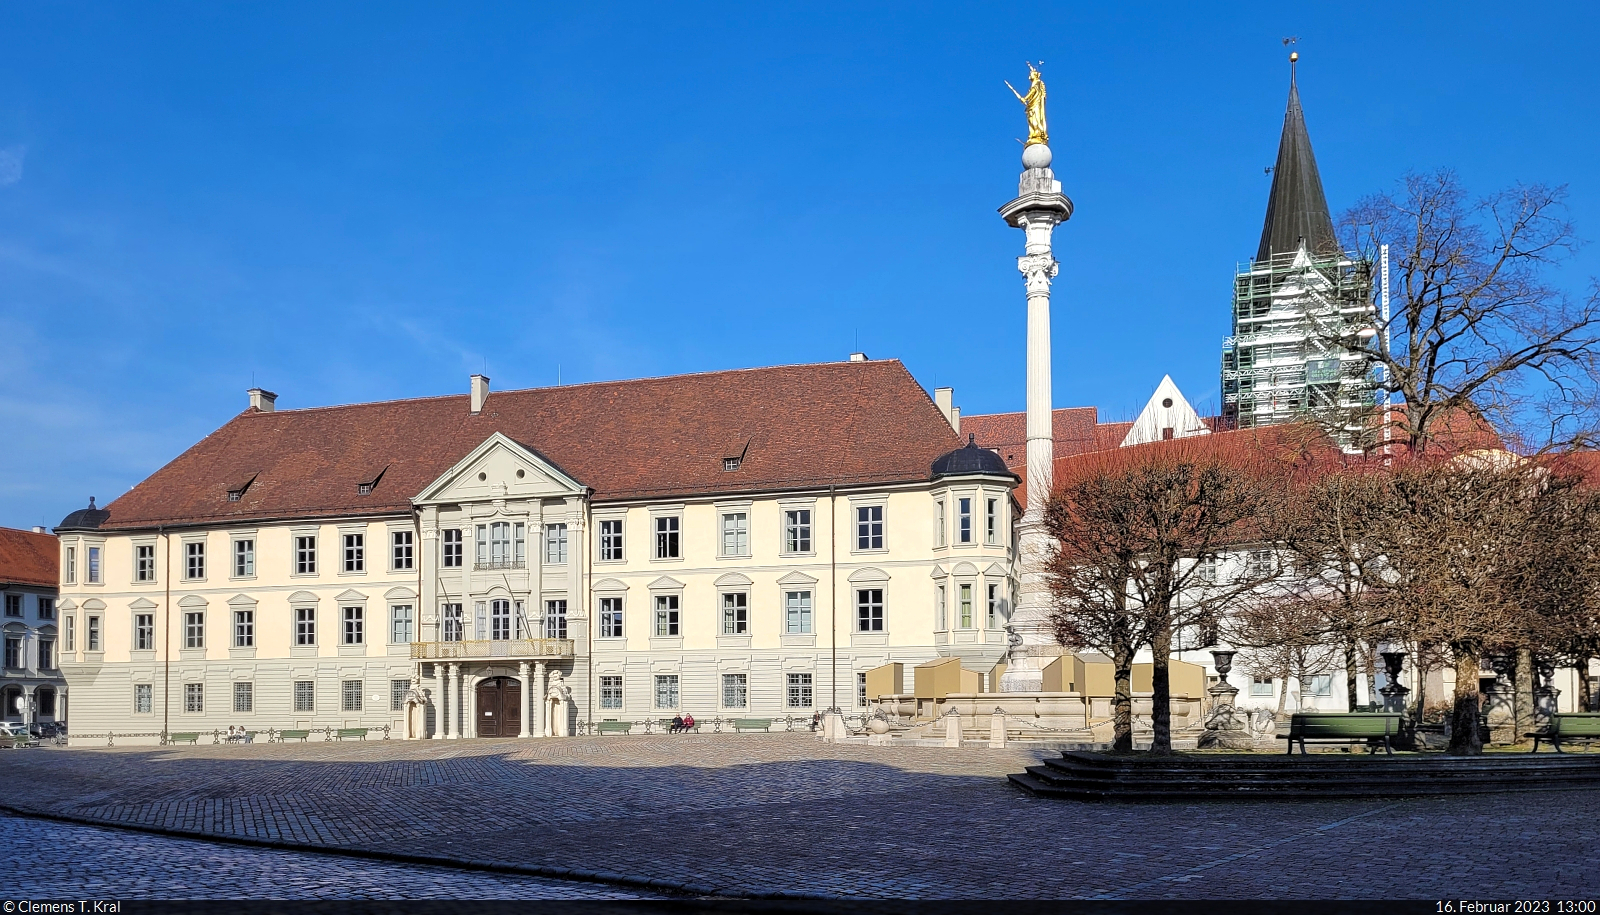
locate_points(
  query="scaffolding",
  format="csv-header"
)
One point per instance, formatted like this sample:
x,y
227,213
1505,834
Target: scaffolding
x,y
1298,349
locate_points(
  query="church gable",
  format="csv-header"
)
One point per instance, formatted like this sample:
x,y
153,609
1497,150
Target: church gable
x,y
500,468
1167,415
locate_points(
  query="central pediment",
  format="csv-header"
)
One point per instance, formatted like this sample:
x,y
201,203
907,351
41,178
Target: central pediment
x,y
500,468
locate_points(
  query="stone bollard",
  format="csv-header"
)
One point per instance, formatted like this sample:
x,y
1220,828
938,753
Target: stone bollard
x,y
952,729
997,729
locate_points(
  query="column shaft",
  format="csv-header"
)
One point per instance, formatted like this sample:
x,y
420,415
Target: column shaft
x,y
527,697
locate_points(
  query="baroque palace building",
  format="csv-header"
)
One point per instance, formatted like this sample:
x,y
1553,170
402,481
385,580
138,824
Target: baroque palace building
x,y
726,544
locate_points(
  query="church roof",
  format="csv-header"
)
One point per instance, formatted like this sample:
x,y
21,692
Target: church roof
x,y
773,429
1297,210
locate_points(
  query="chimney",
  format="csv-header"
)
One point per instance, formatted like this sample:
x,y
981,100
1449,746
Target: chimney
x,y
39,529
858,357
262,401
480,392
943,398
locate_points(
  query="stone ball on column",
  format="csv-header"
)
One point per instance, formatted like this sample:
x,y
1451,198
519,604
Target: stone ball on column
x,y
1036,156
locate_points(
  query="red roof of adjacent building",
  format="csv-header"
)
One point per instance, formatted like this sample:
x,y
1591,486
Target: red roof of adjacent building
x,y
802,426
1076,429
27,558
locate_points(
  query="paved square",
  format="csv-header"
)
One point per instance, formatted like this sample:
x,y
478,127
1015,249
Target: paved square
x,y
788,814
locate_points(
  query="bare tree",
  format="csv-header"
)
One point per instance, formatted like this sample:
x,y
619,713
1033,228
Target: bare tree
x,y
1284,633
1478,325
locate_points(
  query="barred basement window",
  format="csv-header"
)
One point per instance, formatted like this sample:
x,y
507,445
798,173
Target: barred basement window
x,y
244,697
194,697
735,691
611,692
799,691
861,690
305,695
397,694
143,698
666,691
350,696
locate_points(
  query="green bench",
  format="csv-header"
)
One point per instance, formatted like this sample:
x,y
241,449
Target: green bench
x,y
666,726
190,738
293,735
613,727
752,724
358,733
1342,727
1568,726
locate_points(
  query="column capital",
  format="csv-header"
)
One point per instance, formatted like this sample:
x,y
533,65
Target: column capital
x,y
1039,269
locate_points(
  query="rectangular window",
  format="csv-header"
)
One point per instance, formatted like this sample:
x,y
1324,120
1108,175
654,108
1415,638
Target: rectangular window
x,y
305,555
244,628
797,530
244,697
799,691
964,520
869,527
869,610
736,614
305,626
355,622
555,619
194,629
611,618
453,548
69,631
797,612
964,598
397,694
994,606
69,567
403,550
991,522
47,608
305,695
1260,686
14,605
194,558
735,690
451,614
667,691
667,537
861,690
611,540
1206,570
555,544
938,608
244,558
94,565
143,698
500,620
736,534
47,654
1321,685
666,614
350,696
91,634
13,657
401,624
144,631
611,692
1260,564
194,697
519,545
355,552
938,523
144,563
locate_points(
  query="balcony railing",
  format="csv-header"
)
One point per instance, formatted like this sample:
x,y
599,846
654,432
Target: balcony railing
x,y
492,648
498,564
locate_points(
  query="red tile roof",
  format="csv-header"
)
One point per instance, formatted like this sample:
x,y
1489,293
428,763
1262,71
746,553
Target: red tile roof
x,y
806,425
27,558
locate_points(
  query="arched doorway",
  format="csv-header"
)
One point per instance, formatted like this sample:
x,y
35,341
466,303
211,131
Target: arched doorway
x,y
499,707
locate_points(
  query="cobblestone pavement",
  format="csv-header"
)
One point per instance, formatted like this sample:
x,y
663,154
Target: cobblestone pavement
x,y
787,814
48,860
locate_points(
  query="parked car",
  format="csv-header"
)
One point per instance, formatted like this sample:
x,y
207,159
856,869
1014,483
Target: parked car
x,y
15,735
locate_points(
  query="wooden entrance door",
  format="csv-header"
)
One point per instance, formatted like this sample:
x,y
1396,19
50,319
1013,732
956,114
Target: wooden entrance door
x,y
500,707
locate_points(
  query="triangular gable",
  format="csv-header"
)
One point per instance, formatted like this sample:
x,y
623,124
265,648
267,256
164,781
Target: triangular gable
x,y
498,459
1167,410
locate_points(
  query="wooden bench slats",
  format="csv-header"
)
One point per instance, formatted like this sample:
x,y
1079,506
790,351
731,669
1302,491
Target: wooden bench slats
x,y
1568,726
1341,726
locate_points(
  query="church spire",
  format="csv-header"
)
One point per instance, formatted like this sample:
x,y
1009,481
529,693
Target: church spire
x,y
1297,210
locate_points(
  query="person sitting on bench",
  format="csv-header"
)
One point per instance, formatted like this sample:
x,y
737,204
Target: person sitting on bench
x,y
688,723
677,724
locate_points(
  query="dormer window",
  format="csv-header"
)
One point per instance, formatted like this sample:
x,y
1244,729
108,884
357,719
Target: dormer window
x,y
731,463
235,495
366,487
237,490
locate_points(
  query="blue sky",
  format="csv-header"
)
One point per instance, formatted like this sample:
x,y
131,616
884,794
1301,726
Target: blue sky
x,y
353,202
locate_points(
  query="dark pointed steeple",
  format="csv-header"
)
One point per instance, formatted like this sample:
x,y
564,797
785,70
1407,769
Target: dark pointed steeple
x,y
1297,208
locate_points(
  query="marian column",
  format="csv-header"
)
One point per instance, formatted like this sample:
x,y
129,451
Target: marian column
x,y
1038,208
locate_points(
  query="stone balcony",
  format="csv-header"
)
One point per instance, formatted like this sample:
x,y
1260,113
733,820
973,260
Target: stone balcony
x,y
493,649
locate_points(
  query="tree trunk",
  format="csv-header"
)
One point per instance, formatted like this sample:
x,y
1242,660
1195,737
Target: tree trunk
x,y
1122,704
1350,674
1585,685
1522,705
1464,737
1369,660
1161,688
1283,694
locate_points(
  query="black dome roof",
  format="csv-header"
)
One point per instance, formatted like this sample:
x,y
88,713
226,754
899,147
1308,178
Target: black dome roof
x,y
970,459
84,519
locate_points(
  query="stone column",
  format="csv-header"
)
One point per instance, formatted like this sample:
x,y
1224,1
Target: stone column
x,y
542,725
441,724
527,696
458,705
1038,208
27,705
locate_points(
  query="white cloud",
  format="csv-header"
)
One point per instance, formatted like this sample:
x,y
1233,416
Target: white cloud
x,y
11,164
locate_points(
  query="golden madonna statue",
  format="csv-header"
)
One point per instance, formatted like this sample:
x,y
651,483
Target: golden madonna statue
x,y
1034,103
